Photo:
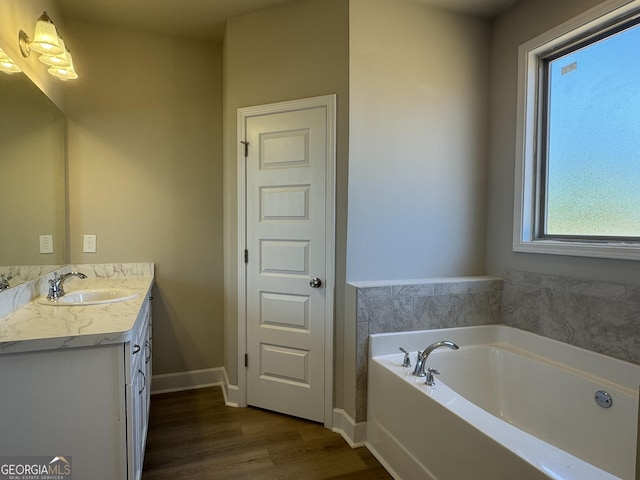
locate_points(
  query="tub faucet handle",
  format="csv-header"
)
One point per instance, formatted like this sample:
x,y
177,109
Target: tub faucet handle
x,y
406,362
430,373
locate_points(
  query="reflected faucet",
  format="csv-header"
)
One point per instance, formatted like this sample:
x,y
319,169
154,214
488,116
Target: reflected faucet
x,y
421,362
56,289
4,281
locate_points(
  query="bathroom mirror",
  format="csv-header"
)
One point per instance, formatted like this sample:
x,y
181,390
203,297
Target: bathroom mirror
x,y
32,181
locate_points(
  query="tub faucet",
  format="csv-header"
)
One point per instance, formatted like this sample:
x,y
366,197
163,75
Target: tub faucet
x,y
4,281
56,289
422,359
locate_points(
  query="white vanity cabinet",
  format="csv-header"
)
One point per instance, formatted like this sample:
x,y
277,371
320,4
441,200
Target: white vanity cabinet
x,y
90,403
138,389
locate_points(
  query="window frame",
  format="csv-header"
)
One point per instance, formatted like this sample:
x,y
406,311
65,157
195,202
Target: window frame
x,y
527,231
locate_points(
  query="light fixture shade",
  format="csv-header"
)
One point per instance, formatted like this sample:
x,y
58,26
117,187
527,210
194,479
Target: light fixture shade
x,y
65,73
45,39
7,64
61,60
9,67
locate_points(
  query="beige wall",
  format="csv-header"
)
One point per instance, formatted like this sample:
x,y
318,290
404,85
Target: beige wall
x,y
293,51
417,151
523,22
145,176
16,15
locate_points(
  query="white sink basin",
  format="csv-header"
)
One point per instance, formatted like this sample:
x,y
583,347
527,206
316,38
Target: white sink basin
x,y
90,297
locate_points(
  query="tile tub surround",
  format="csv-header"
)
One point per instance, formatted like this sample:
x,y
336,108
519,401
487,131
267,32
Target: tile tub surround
x,y
400,306
598,316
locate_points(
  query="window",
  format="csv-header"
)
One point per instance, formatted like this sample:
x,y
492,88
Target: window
x,y
578,165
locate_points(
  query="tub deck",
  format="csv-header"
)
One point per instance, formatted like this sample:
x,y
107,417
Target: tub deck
x,y
508,402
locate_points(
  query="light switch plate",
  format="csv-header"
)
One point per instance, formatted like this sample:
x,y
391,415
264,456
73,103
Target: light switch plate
x,y
89,244
46,243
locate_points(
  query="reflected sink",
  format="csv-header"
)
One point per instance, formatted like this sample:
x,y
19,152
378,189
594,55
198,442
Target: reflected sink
x,y
90,297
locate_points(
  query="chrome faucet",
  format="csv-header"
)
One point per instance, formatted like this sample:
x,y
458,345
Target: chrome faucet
x,y
422,360
406,361
4,281
56,289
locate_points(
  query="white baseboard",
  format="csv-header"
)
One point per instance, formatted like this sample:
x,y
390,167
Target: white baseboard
x,y
189,380
231,395
354,433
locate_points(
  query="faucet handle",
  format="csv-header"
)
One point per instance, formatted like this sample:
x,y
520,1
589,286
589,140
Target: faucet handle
x,y
406,362
55,279
430,373
4,281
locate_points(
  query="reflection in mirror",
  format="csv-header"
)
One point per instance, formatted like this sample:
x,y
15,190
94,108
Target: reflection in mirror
x,y
32,182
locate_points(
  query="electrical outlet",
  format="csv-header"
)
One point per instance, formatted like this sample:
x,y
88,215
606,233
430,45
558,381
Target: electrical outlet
x,y
46,243
89,244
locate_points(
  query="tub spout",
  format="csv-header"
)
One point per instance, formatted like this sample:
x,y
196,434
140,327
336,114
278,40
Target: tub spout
x,y
421,363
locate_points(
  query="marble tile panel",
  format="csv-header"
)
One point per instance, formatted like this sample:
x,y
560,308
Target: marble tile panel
x,y
494,303
632,293
362,343
390,314
464,309
375,292
420,290
564,306
476,286
445,289
523,278
402,308
473,309
380,315
613,328
562,316
362,367
521,306
363,308
613,312
584,287
361,396
431,312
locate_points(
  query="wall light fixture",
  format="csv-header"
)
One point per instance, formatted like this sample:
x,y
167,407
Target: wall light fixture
x,y
7,65
49,44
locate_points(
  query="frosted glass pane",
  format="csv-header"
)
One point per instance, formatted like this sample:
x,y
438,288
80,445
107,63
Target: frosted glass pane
x,y
593,143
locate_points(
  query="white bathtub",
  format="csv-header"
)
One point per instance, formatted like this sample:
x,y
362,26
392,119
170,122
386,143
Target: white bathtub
x,y
507,405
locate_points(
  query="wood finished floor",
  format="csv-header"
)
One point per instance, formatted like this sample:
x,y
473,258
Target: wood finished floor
x,y
194,435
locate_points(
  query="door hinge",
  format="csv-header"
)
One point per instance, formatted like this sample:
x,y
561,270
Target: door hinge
x,y
246,256
246,360
246,148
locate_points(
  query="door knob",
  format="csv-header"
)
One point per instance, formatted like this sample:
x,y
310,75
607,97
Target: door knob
x,y
315,282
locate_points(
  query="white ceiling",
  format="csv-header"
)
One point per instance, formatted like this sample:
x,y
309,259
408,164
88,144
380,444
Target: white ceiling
x,y
205,19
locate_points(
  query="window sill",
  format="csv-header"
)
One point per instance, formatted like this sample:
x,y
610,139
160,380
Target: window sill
x,y
620,251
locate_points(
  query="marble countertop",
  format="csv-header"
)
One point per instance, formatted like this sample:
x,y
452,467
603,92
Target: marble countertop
x,y
42,327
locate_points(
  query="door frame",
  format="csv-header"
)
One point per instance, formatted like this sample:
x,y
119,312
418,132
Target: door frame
x,y
329,103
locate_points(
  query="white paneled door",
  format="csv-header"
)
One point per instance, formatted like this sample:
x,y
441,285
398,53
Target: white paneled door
x,y
287,160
